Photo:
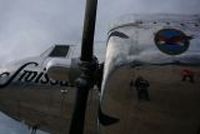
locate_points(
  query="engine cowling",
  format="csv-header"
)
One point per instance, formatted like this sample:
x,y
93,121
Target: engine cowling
x,y
67,70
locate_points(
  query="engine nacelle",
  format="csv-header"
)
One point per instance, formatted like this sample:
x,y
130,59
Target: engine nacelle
x,y
151,76
67,70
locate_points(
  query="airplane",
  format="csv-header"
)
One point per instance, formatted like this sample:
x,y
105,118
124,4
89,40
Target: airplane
x,y
40,91
39,99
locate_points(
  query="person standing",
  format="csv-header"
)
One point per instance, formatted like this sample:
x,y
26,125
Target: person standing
x,y
142,85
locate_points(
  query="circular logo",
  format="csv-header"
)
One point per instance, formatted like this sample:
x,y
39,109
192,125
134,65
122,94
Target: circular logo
x,y
172,41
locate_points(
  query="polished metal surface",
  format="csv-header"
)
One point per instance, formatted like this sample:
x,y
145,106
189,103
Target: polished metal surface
x,y
172,107
133,51
29,93
48,107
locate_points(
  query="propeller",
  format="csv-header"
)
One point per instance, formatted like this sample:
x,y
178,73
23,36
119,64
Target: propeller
x,y
88,65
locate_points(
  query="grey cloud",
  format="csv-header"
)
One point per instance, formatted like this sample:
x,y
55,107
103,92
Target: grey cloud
x,y
32,26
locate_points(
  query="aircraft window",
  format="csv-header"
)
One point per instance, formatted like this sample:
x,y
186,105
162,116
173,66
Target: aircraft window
x,y
60,51
196,25
168,23
154,22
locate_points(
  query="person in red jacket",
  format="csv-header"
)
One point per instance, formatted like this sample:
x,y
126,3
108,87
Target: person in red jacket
x,y
187,73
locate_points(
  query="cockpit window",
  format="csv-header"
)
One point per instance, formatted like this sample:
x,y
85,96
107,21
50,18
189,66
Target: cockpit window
x,y
60,51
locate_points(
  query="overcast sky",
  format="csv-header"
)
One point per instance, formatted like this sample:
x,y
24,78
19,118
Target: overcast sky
x,y
28,27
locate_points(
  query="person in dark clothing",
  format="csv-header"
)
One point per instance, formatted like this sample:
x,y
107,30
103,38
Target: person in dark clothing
x,y
141,87
34,129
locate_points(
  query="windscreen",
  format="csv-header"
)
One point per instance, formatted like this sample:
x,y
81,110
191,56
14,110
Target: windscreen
x,y
60,51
